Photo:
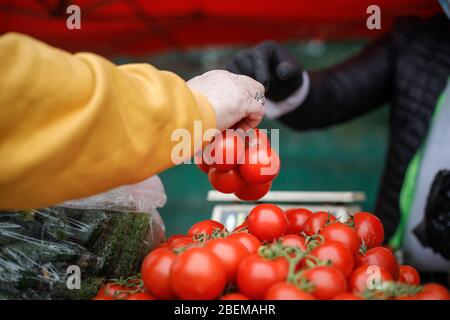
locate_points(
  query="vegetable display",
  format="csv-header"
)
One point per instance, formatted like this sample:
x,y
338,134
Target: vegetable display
x,y
278,255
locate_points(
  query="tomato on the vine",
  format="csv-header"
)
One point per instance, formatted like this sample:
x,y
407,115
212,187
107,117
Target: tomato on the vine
x,y
408,274
380,256
342,233
267,222
225,151
179,242
234,296
367,274
198,274
328,281
113,291
140,296
243,227
346,296
155,272
369,228
286,291
335,252
257,274
252,192
225,181
261,165
293,240
317,221
230,252
255,137
250,242
433,291
205,227
297,218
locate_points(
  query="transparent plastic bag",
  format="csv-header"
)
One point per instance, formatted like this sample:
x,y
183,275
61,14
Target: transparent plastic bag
x,y
106,236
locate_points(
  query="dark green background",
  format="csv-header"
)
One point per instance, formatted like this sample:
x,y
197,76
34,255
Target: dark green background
x,y
347,157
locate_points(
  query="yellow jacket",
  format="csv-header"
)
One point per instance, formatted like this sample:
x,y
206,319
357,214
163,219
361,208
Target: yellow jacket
x,y
72,125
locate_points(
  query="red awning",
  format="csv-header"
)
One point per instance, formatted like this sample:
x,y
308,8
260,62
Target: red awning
x,y
140,27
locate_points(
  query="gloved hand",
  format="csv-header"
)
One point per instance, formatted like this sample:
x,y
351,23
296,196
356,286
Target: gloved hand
x,y
434,230
273,66
232,97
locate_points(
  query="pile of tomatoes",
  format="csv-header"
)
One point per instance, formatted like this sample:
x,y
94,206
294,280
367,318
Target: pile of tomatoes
x,y
243,164
278,255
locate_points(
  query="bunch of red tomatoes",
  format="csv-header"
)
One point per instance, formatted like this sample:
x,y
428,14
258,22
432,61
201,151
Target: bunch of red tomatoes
x,y
243,164
280,255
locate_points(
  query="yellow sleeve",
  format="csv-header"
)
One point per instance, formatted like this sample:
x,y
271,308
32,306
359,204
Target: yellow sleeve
x,y
72,125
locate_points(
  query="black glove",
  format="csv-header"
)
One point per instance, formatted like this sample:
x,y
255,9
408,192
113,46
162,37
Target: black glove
x,y
273,66
434,230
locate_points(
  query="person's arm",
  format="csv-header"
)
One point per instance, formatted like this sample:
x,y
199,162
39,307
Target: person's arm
x,y
348,90
75,125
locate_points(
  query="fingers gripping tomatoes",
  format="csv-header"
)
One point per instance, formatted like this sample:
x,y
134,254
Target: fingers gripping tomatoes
x,y
256,275
267,222
342,233
297,219
369,228
230,252
206,227
225,181
328,281
198,274
155,271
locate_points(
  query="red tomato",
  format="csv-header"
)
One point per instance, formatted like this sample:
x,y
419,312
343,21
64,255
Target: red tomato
x,y
293,240
180,242
328,281
286,291
140,296
225,181
256,275
297,218
234,296
206,227
201,164
250,242
369,228
113,291
346,296
253,192
255,137
267,222
342,233
408,274
364,275
243,227
433,291
155,271
226,151
261,165
197,274
317,221
335,252
380,256
230,252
